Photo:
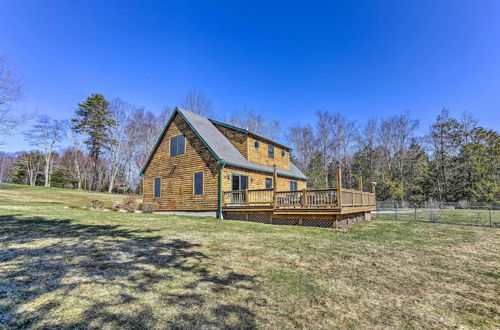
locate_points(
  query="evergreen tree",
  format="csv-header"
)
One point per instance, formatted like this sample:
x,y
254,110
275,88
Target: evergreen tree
x,y
94,120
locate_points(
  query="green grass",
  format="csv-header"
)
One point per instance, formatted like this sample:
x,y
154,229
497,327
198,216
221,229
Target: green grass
x,y
480,216
66,268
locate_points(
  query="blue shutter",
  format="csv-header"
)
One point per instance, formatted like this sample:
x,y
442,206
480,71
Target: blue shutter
x,y
157,192
198,183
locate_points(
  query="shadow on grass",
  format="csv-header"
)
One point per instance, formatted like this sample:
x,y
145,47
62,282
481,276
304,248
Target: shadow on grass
x,y
65,259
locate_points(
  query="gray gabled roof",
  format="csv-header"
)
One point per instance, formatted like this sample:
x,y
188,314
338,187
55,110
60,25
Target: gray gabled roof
x,y
223,150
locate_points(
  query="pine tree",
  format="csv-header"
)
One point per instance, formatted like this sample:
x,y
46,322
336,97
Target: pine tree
x,y
94,120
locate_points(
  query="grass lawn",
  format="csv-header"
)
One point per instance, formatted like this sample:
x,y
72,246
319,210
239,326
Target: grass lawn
x,y
64,267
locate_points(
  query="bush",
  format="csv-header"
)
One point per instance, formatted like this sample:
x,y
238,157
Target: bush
x,y
97,204
129,204
147,207
117,205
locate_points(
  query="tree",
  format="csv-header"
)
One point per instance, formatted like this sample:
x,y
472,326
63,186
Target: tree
x,y
46,134
256,123
195,101
10,91
7,163
444,137
120,151
94,120
28,168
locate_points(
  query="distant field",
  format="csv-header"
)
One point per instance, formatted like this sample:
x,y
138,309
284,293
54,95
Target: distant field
x,y
68,268
41,195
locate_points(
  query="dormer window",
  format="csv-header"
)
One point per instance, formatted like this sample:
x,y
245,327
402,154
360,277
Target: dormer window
x,y
270,151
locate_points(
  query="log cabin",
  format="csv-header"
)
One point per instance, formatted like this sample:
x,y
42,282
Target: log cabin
x,y
201,164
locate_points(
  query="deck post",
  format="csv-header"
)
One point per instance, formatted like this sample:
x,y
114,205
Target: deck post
x,y
304,198
374,185
360,183
339,188
275,184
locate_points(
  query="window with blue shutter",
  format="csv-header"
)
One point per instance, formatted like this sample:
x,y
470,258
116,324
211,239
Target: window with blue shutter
x,y
269,183
293,185
157,192
198,183
177,145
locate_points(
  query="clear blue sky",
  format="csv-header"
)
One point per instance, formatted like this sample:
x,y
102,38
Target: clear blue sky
x,y
285,60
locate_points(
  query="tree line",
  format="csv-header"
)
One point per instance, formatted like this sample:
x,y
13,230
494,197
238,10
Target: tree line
x,y
106,142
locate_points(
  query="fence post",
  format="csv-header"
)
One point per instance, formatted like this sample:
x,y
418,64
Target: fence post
x,y
360,183
489,211
415,211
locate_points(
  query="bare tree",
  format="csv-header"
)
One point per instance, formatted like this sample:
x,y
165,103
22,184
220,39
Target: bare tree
x,y
76,160
10,91
7,163
256,123
46,134
32,163
195,101
119,152
304,142
325,139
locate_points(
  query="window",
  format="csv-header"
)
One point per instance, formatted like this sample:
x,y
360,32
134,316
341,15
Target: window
x,y
157,192
198,183
270,151
177,145
282,153
269,183
240,182
256,144
293,185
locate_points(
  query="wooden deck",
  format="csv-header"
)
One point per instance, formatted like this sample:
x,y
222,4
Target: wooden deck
x,y
303,204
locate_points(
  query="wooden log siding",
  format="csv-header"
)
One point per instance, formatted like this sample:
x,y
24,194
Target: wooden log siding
x,y
261,156
257,180
177,173
246,146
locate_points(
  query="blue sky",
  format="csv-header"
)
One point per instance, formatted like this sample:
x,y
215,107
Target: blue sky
x,y
283,59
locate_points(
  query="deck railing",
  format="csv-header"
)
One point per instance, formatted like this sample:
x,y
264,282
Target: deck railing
x,y
306,198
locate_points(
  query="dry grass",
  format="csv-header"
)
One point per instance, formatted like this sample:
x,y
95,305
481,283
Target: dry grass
x,y
67,268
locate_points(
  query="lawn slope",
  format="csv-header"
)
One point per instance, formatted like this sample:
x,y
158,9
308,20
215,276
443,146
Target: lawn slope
x,y
70,267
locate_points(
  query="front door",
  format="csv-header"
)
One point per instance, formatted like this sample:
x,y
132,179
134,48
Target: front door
x,y
239,182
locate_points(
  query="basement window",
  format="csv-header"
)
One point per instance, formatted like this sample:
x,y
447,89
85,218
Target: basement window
x,y
177,145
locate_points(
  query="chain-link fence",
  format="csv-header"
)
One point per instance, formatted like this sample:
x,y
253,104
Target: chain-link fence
x,y
460,213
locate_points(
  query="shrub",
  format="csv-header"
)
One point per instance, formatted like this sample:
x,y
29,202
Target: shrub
x,y
97,204
147,207
129,204
117,205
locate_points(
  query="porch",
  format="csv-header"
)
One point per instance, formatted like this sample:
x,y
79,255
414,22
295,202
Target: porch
x,y
325,206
